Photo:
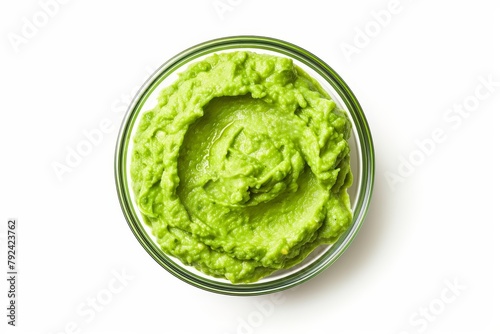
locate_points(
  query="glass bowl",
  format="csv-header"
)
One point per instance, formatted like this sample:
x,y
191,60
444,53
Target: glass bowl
x,y
362,163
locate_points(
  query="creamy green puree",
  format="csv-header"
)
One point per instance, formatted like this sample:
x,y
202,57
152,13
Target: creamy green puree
x,y
242,167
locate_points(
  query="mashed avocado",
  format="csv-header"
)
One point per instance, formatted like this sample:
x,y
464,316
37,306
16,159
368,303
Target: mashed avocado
x,y
242,167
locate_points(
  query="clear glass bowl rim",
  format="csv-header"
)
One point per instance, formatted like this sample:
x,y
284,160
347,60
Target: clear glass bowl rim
x,y
367,164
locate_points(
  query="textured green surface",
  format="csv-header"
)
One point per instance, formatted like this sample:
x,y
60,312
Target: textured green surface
x,y
242,167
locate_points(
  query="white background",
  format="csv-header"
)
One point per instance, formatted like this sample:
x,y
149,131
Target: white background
x,y
437,224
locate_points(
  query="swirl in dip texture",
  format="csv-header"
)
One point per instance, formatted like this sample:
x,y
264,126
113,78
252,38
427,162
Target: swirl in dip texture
x,y
242,168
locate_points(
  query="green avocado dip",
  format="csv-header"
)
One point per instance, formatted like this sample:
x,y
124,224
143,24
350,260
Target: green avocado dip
x,y
242,167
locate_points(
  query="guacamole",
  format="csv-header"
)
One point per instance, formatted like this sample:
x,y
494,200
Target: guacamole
x,y
242,167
